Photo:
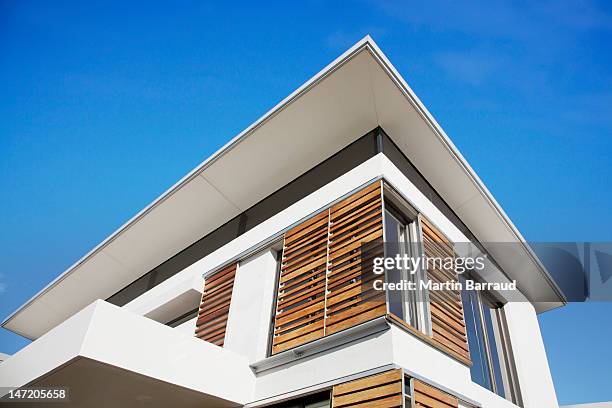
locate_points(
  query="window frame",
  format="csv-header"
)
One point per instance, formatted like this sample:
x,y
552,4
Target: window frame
x,y
279,261
396,206
404,241
487,303
407,391
506,357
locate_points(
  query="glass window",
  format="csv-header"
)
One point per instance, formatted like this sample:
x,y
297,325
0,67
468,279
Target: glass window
x,y
489,346
475,332
488,314
401,239
394,234
407,392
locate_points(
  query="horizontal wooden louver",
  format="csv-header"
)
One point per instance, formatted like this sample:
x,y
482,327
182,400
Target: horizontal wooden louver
x,y
430,397
320,287
215,305
377,391
447,320
301,296
355,239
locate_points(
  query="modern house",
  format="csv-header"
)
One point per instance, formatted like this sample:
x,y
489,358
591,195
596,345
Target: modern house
x,y
249,282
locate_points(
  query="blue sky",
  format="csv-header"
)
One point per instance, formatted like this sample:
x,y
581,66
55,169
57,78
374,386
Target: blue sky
x,y
104,106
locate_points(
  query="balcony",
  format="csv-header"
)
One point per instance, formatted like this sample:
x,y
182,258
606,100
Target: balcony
x,y
105,354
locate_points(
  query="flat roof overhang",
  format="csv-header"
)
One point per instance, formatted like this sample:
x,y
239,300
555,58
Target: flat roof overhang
x,y
354,94
106,355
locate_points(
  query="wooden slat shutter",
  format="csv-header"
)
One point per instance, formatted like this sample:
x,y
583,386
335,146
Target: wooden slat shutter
x,y
353,222
301,294
447,320
430,397
377,391
320,289
214,308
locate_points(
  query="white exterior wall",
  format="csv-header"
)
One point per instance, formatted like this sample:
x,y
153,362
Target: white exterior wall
x,y
423,361
34,360
253,294
248,324
534,376
161,297
187,327
370,353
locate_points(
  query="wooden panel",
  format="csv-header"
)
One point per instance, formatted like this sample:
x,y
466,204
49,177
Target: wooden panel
x,y
300,307
214,307
377,391
321,290
355,239
447,321
430,397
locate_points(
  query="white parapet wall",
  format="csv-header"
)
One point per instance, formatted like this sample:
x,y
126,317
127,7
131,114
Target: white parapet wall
x,y
248,325
115,337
